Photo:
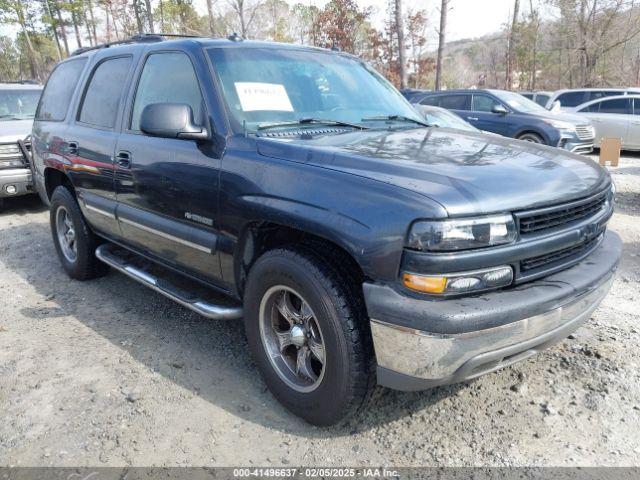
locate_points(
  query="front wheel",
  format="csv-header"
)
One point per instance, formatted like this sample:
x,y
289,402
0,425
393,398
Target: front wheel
x,y
531,137
308,334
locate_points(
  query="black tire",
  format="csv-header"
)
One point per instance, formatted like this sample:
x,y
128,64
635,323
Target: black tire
x,y
531,137
85,265
348,376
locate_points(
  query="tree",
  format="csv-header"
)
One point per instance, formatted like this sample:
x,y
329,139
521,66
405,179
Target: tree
x,y
337,23
511,45
246,12
444,7
18,11
399,30
417,40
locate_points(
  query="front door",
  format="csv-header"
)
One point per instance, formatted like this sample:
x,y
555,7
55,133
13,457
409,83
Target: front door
x,y
485,119
167,188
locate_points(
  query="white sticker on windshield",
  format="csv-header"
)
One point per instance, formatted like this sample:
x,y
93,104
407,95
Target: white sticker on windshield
x,y
263,96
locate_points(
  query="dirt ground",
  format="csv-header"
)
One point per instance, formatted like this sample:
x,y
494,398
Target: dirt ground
x,y
108,372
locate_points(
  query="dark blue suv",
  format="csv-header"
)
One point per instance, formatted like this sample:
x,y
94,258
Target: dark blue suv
x,y
512,115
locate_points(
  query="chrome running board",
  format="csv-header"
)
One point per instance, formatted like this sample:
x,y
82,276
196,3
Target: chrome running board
x,y
127,263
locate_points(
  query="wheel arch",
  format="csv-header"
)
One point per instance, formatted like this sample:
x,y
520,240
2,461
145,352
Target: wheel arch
x,y
54,178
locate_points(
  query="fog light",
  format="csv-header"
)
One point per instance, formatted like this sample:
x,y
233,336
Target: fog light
x,y
460,282
11,189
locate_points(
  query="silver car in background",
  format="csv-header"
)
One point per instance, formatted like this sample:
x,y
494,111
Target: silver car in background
x,y
614,117
18,104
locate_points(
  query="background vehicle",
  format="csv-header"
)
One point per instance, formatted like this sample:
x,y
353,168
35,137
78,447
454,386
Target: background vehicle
x,y
409,93
17,107
615,117
440,117
540,97
511,115
295,188
570,98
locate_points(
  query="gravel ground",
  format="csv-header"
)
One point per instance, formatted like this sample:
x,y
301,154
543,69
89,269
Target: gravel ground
x,y
108,372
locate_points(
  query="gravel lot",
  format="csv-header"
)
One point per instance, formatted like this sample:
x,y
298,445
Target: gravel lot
x,y
108,372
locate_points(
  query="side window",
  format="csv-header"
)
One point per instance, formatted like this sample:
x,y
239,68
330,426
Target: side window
x,y
527,95
455,102
603,93
56,97
571,99
167,78
618,105
542,100
483,103
430,100
636,106
593,108
104,91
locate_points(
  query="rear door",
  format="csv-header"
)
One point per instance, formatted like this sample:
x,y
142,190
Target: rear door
x,y
611,119
167,188
633,134
91,140
459,103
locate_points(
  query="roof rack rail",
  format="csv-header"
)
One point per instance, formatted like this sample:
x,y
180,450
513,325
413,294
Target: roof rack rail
x,y
140,38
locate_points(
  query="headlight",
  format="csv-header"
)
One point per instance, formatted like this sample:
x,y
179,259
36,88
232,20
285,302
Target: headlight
x,y
462,234
560,125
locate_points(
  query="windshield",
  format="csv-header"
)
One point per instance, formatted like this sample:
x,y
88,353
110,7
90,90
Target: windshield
x,y
518,102
266,86
444,118
18,104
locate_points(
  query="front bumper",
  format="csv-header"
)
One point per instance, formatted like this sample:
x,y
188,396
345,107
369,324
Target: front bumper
x,y
573,143
421,343
19,178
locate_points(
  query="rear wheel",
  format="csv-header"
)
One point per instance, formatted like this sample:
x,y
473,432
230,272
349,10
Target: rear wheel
x,y
531,137
308,334
74,241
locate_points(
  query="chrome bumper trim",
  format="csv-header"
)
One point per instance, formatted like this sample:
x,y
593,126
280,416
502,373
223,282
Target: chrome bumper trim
x,y
431,357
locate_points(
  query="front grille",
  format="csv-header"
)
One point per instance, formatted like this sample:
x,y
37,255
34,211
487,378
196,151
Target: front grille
x,y
563,255
585,132
548,218
11,155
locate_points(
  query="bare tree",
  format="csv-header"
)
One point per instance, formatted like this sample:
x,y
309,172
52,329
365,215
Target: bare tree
x,y
149,15
63,29
441,40
511,45
399,28
212,28
246,12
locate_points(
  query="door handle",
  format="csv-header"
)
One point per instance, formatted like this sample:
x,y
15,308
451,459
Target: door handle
x,y
72,147
123,159
475,119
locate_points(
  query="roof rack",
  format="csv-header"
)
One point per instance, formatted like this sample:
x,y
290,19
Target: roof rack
x,y
140,38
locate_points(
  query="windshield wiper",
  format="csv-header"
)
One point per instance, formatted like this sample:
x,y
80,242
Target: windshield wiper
x,y
307,121
400,118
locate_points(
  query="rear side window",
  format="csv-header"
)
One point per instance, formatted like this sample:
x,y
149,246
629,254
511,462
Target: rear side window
x,y
167,78
527,95
636,106
603,93
102,97
57,94
571,99
542,100
619,105
455,102
483,103
430,100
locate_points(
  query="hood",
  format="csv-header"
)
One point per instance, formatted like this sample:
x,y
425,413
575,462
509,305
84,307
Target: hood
x,y
467,173
14,130
563,117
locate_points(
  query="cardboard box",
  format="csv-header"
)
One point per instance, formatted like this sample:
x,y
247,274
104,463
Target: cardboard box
x,y
610,151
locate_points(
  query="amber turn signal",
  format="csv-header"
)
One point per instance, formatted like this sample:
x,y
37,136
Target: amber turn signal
x,y
423,284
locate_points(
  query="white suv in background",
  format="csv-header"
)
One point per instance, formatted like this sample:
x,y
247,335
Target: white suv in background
x,y
18,102
571,98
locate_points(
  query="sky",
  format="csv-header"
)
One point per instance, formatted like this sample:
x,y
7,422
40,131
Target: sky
x,y
466,19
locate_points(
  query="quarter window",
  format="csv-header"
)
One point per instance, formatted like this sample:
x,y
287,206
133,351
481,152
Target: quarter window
x,y
430,100
167,78
102,98
56,97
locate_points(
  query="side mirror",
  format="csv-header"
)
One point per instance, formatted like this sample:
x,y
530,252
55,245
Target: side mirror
x,y
555,106
499,109
171,120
